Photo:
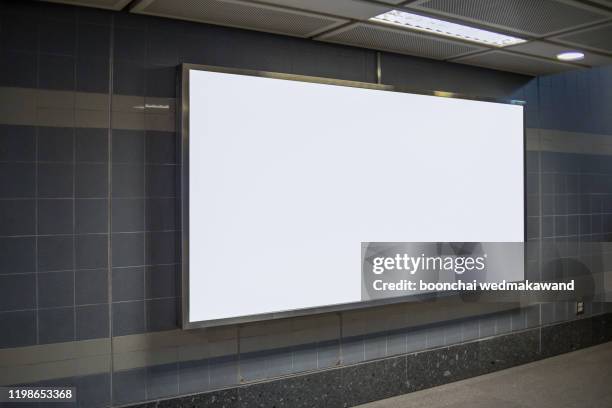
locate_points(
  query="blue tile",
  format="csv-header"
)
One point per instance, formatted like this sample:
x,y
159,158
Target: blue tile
x,y
92,322
93,391
56,325
17,329
56,289
162,380
129,386
223,371
128,318
193,376
328,353
17,292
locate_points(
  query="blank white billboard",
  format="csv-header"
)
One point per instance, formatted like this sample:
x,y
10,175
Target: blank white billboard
x,y
287,178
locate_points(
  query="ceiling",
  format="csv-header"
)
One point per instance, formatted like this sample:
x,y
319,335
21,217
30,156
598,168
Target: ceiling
x,y
549,26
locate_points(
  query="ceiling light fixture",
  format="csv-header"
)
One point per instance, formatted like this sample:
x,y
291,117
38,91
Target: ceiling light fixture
x,y
446,28
570,56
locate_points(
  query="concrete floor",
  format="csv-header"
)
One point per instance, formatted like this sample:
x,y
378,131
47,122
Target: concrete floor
x,y
582,379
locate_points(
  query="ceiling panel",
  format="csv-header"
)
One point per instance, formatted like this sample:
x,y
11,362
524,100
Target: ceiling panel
x,y
105,4
507,61
342,8
241,14
548,50
531,17
398,40
597,38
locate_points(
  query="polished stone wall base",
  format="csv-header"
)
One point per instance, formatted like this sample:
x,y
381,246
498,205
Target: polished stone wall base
x,y
378,379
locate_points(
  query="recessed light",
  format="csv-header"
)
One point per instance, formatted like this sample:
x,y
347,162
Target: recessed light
x,y
570,56
446,28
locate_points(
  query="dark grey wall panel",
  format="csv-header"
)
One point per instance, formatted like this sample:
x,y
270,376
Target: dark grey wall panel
x,y
89,219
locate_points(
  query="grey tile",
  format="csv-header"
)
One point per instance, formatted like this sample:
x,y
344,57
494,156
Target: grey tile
x,y
55,253
162,380
162,248
93,391
18,69
128,77
435,336
547,313
56,289
487,326
193,376
396,343
128,318
91,145
128,249
353,350
162,281
373,381
470,330
161,147
161,214
305,357
280,363
162,314
91,251
17,329
17,217
223,371
161,181
17,255
56,72
452,333
128,180
17,143
55,216
518,318
19,33
128,214
328,353
91,286
416,339
57,37
94,39
55,180
375,346
129,386
254,366
128,146
55,144
91,215
162,47
91,180
128,284
130,43
92,322
56,325
160,81
17,180
503,323
92,74
17,292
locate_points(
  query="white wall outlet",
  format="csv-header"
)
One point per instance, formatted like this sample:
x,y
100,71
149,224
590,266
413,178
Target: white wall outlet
x,y
579,307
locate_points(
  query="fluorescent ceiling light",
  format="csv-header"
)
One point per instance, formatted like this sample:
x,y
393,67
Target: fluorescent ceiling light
x,y
445,28
570,56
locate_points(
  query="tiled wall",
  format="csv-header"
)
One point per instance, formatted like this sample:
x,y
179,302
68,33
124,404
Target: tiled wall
x,y
89,232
